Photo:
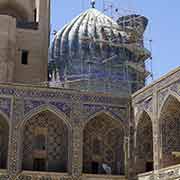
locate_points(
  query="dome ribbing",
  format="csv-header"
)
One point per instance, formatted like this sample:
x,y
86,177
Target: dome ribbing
x,y
89,51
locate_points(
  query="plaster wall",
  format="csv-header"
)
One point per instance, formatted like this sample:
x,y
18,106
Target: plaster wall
x,y
25,6
7,47
30,36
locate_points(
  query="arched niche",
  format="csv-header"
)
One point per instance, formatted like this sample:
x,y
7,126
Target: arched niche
x,y
4,141
103,146
170,131
45,143
144,144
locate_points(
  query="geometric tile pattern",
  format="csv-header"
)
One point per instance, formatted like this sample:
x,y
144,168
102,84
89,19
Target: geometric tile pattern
x,y
5,106
29,105
144,147
170,125
169,120
117,112
103,143
56,145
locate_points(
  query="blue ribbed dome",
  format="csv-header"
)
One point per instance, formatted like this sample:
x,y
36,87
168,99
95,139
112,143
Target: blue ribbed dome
x,y
85,48
75,38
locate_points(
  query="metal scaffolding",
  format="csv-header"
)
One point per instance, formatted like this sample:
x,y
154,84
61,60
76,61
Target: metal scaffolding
x,y
132,66
135,45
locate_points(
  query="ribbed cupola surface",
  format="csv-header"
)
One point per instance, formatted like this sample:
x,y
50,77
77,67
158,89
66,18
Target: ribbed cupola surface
x,y
91,54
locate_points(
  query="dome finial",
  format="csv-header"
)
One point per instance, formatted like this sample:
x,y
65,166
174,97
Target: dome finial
x,y
93,2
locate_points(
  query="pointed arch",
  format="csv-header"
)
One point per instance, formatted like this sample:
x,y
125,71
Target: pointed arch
x,y
140,115
144,144
43,108
109,114
169,122
103,145
171,95
45,142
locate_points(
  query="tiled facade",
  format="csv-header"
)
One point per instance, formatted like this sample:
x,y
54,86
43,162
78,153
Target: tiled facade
x,y
27,105
160,101
69,133
22,106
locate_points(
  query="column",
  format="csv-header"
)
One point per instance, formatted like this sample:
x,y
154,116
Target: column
x,y
14,161
156,134
77,152
77,141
